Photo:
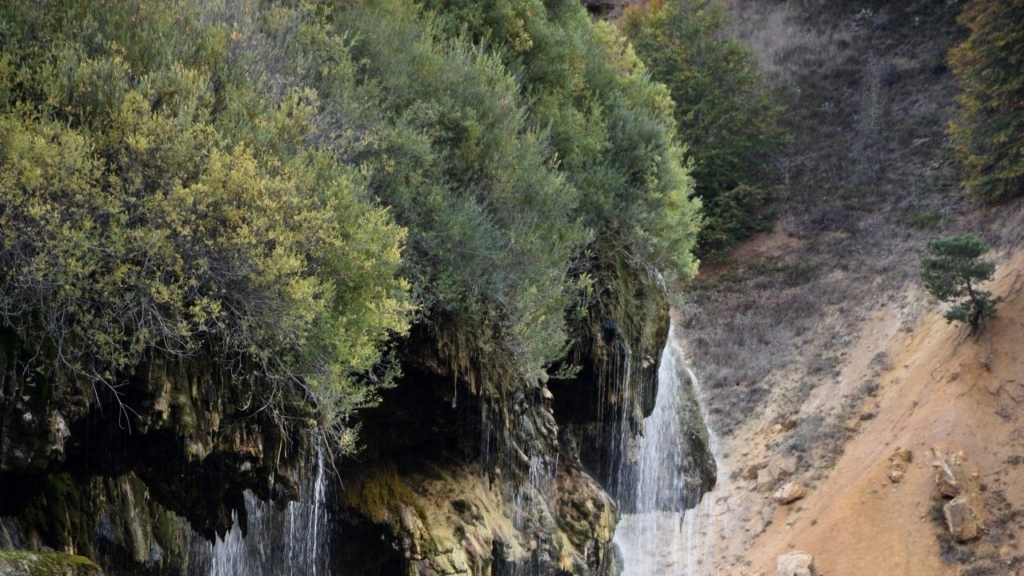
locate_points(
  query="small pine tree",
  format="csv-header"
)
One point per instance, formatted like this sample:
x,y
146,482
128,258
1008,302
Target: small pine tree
x,y
952,274
989,133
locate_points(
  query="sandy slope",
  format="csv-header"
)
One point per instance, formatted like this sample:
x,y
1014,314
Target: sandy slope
x,y
938,394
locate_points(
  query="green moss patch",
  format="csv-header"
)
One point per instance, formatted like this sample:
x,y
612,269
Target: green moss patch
x,y
17,563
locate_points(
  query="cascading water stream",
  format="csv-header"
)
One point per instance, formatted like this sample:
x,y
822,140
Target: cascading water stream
x,y
657,535
287,542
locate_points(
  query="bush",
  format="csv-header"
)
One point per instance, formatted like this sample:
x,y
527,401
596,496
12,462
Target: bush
x,y
519,142
612,135
491,219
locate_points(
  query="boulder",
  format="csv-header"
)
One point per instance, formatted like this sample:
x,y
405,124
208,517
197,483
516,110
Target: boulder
x,y
795,563
789,493
951,477
962,519
899,462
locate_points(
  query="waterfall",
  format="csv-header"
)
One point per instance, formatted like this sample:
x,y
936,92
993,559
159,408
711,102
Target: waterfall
x,y
657,535
287,542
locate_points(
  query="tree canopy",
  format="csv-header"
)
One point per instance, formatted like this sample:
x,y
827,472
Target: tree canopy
x,y
725,113
952,274
159,194
988,134
284,187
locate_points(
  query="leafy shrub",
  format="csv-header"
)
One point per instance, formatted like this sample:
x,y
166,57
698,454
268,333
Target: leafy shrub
x,y
610,127
492,234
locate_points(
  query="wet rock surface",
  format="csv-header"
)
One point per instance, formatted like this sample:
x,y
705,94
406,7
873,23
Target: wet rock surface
x,y
46,564
474,471
121,477
466,467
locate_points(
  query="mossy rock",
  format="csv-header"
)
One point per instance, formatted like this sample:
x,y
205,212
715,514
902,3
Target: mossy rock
x,y
46,564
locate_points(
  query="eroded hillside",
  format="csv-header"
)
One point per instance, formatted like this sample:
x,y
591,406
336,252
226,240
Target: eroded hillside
x,y
820,353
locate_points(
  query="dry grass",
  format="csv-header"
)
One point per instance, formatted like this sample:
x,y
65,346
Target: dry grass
x,y
783,42
867,182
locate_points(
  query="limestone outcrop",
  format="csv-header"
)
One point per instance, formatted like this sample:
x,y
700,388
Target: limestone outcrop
x,y
118,475
468,470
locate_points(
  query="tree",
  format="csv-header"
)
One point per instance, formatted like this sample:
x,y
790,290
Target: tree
x,y
160,196
726,115
952,274
611,128
988,131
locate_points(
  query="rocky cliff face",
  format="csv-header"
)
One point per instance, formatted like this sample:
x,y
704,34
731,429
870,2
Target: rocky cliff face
x,y
465,470
120,475
472,476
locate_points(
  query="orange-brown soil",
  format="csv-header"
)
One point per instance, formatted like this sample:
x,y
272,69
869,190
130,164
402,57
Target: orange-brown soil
x,y
942,391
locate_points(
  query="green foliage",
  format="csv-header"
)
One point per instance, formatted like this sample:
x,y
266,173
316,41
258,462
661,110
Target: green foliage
x,y
611,128
202,178
724,111
46,564
952,273
490,219
515,134
157,198
989,133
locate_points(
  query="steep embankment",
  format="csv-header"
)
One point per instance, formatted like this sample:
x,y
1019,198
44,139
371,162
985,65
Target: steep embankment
x,y
820,352
941,393
946,392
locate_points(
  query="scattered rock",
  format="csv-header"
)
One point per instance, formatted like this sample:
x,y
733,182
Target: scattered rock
x,y
782,466
751,472
795,563
791,492
765,480
898,464
950,476
962,519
